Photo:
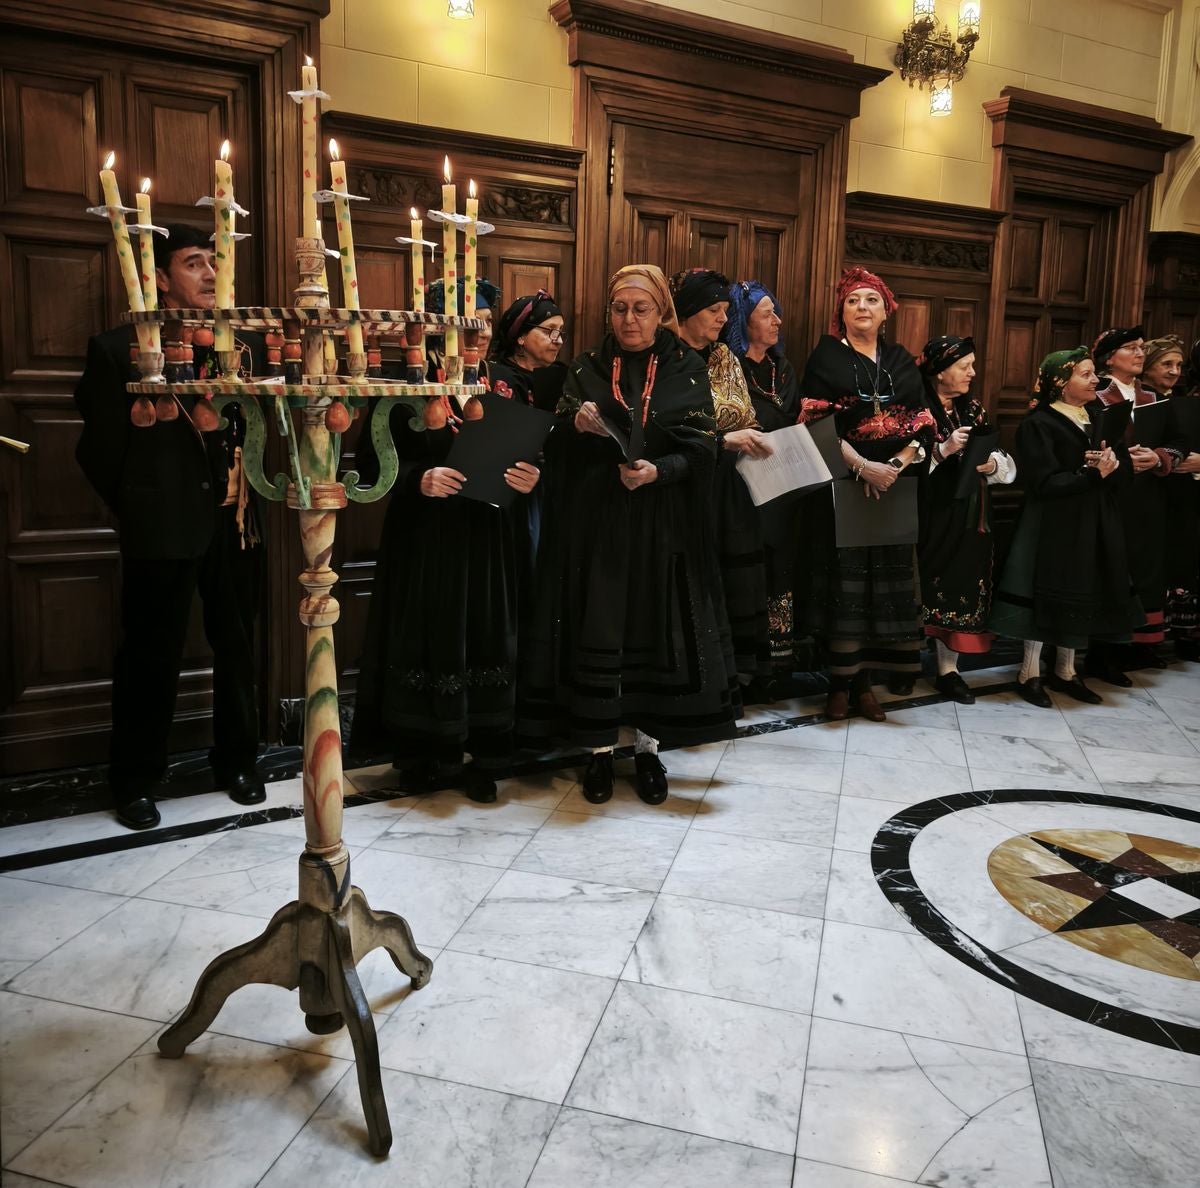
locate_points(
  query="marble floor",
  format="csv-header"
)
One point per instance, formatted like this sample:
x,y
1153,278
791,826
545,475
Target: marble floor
x,y
959,948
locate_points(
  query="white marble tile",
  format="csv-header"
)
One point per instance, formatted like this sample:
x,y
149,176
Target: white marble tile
x,y
1180,795
216,805
745,954
685,797
361,824
1180,681
811,1174
984,779
922,1109
813,736
906,781
11,1179
893,980
1051,1035
1161,738
433,894
698,763
854,895
246,872
1031,816
125,872
451,809
600,1152
1185,715
757,762
564,923
1108,1131
1030,756
217,1118
751,871
63,831
378,777
497,1024
1009,713
443,1136
543,790
52,1054
1108,980
1143,767
602,850
272,1015
35,919
898,740
142,959
783,814
859,821
938,715
721,1069
1133,705
490,834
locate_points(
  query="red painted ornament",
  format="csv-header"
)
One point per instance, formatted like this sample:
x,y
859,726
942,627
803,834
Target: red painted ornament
x,y
337,417
203,336
165,408
204,416
142,413
473,410
435,413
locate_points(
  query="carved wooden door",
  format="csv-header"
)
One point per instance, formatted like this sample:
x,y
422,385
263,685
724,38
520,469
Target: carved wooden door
x,y
63,108
684,201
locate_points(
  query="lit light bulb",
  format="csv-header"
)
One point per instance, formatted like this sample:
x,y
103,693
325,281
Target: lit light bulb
x,y
922,8
461,10
941,98
968,18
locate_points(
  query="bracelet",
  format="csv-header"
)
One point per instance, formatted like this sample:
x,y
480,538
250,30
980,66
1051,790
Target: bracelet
x,y
858,470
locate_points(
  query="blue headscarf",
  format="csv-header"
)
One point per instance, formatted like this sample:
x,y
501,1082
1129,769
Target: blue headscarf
x,y
744,297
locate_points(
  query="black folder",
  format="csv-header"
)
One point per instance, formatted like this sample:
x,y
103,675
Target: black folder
x,y
483,450
1187,417
861,520
1110,426
1152,423
825,438
975,453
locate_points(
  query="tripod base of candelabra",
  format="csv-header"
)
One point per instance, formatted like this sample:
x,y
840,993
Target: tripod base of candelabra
x,y
315,947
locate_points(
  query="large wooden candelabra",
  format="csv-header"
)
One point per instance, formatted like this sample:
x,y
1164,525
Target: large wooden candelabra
x,y
315,942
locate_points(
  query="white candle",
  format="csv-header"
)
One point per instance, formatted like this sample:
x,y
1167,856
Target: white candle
x,y
450,259
146,246
308,124
471,245
417,234
224,223
337,172
125,257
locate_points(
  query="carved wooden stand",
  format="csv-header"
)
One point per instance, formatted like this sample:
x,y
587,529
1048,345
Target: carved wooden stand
x,y
316,942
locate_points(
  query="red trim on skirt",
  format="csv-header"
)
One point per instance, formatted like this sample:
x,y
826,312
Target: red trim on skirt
x,y
971,642
1154,629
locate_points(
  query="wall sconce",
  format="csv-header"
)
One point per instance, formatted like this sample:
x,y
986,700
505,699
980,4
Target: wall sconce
x,y
928,55
461,10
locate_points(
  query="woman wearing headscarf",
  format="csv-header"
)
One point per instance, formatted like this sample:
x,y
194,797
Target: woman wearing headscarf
x,y
701,298
1164,376
861,603
487,297
753,333
439,665
954,555
523,364
1066,578
628,626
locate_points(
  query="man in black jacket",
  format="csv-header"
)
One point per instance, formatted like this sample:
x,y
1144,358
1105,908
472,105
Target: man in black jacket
x,y
177,513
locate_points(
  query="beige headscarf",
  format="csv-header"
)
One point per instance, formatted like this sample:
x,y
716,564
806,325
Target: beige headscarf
x,y
1157,347
650,278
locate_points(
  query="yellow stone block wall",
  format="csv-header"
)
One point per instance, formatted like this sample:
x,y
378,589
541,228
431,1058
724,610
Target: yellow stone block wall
x,y
505,72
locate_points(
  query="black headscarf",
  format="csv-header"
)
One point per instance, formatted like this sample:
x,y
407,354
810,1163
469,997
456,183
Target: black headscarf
x,y
519,318
940,353
695,289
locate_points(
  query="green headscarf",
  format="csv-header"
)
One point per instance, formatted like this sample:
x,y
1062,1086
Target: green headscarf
x,y
1056,369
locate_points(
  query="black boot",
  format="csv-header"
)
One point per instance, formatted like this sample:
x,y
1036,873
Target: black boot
x,y
597,786
651,778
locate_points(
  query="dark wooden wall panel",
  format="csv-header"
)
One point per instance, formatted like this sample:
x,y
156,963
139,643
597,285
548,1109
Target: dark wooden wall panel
x,y
1173,286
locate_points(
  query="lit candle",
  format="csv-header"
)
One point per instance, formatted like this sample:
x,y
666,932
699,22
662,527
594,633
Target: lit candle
x,y
224,221
308,124
125,258
417,234
472,240
341,205
146,244
450,258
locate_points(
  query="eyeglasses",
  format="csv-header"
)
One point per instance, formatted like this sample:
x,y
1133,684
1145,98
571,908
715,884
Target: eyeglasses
x,y
552,335
642,310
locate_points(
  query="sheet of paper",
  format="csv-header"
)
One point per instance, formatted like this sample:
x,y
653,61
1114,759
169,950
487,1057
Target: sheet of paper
x,y
794,464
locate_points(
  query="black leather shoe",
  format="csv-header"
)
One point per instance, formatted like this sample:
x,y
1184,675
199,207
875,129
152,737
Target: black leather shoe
x,y
650,779
901,685
954,687
1104,671
138,814
478,786
1032,691
1074,688
598,778
246,788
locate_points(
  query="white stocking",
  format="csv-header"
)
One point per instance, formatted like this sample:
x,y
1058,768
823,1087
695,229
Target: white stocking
x,y
1031,662
1064,664
645,745
947,659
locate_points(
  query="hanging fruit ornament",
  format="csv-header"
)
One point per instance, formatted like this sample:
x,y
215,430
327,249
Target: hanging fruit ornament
x,y
203,336
435,413
204,416
165,408
337,417
473,410
142,413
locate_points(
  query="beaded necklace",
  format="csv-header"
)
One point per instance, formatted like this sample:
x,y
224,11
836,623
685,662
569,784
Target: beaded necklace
x,y
647,388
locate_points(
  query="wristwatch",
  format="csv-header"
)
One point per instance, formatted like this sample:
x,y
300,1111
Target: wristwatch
x,y
896,463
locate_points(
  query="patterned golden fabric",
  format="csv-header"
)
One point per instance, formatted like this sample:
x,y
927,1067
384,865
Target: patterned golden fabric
x,y
732,406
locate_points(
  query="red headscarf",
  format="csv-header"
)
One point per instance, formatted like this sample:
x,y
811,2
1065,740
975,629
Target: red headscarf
x,y
859,278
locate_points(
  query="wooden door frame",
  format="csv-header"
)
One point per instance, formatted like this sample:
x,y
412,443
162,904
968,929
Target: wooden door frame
x,y
631,61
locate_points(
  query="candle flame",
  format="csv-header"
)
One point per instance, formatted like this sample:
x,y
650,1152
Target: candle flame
x,y
333,149
307,60
110,160
412,212
471,188
224,150
145,185
446,170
